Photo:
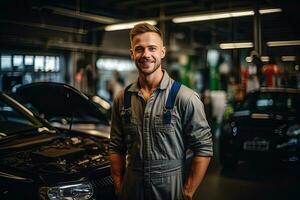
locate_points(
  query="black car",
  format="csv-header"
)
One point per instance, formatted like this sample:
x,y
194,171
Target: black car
x,y
66,107
39,161
263,127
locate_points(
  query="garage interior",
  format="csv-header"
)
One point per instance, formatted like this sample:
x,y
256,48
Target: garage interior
x,y
206,40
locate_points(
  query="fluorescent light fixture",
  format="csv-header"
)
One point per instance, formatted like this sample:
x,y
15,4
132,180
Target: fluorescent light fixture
x,y
262,58
265,58
288,58
211,16
222,15
82,15
129,25
237,45
283,43
271,10
47,26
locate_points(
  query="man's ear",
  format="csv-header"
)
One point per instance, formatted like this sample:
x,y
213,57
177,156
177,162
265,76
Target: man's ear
x,y
163,51
131,53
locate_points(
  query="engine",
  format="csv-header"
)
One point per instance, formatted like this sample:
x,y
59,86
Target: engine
x,y
63,155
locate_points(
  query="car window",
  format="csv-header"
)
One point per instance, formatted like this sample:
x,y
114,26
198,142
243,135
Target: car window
x,y
277,101
271,101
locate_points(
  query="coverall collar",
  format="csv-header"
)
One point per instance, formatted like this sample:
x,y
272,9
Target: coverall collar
x,y
135,87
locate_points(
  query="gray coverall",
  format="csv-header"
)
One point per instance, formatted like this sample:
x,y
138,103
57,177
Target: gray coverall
x,y
155,152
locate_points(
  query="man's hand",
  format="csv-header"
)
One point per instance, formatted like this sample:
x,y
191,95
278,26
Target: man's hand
x,y
196,174
117,162
188,195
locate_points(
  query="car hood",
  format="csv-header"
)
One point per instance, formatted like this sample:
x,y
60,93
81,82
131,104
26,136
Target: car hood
x,y
57,100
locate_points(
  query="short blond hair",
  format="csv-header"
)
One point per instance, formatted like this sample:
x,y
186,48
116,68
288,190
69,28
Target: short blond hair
x,y
144,28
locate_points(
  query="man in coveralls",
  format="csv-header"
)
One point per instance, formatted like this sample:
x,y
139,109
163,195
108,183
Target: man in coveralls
x,y
154,121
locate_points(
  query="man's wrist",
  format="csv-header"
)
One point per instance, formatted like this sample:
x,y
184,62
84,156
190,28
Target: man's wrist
x,y
188,194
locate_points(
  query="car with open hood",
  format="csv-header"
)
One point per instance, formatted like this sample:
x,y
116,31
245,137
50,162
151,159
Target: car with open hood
x,y
66,107
263,128
40,161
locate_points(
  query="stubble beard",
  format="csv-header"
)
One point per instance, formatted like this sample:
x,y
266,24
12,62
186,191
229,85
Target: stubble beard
x,y
145,72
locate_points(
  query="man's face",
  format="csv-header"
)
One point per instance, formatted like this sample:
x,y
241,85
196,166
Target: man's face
x,y
147,51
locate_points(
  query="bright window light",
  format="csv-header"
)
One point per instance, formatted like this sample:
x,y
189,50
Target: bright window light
x,y
50,63
28,60
115,64
57,64
39,63
6,62
17,60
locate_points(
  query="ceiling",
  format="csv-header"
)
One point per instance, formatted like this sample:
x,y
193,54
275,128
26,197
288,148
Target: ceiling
x,y
57,24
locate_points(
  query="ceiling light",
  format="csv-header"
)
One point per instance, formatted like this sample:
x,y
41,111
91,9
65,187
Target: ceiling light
x,y
283,43
211,16
128,25
237,45
271,10
222,15
265,58
262,58
82,15
288,58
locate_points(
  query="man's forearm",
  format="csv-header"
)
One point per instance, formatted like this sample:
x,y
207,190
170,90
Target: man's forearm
x,y
117,162
195,176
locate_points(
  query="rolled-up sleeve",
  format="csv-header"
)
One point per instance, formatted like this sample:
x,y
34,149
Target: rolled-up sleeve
x,y
117,144
196,128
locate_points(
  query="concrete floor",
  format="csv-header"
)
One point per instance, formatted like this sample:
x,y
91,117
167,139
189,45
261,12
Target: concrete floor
x,y
255,181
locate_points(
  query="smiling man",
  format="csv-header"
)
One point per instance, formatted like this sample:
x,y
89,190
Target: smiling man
x,y
154,121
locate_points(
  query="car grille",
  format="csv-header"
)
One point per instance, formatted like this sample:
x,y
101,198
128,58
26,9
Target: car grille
x,y
104,188
104,182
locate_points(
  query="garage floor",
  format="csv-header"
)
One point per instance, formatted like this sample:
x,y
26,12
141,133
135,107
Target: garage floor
x,y
259,181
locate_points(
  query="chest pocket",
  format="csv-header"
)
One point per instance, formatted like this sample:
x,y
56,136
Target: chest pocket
x,y
129,124
163,127
165,136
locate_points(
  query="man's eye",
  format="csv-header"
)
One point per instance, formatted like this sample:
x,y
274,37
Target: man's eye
x,y
152,48
139,49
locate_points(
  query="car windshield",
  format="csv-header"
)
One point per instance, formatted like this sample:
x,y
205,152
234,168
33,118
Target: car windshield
x,y
14,118
272,101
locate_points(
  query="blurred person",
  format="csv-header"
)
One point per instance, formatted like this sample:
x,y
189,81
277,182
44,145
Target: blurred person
x,y
90,78
256,61
118,78
271,71
80,79
254,78
154,121
113,87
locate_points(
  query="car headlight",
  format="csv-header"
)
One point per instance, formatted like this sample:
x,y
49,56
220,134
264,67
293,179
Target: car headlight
x,y
82,191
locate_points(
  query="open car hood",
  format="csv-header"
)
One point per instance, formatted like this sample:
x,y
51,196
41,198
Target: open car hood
x,y
59,100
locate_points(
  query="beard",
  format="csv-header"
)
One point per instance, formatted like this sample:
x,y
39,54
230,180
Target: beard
x,y
139,64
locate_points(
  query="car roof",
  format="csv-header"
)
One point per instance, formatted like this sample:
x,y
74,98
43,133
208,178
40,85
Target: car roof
x,y
277,90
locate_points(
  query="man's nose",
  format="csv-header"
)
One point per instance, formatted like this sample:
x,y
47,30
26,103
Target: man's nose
x,y
146,53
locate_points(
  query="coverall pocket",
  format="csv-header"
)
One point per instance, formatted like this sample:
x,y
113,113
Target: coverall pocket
x,y
164,136
131,141
130,130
